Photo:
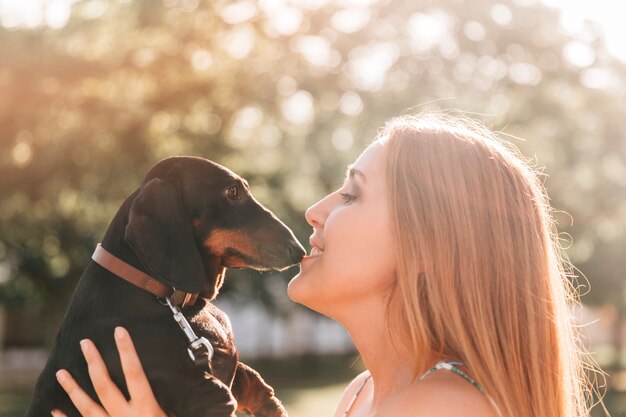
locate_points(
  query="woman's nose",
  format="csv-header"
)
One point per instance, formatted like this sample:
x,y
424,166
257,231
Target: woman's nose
x,y
316,214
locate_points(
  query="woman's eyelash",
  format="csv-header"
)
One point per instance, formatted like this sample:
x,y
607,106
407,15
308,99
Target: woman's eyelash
x,y
348,197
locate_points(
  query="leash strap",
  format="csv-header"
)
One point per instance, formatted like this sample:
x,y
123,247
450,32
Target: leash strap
x,y
200,350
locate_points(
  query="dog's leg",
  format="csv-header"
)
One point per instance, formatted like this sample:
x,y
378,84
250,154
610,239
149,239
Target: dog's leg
x,y
253,395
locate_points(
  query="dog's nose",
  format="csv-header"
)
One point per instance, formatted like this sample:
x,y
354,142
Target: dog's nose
x,y
297,252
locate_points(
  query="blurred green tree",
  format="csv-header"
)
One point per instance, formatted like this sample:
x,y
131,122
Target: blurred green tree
x,y
286,94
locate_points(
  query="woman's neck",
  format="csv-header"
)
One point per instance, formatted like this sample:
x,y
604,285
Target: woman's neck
x,y
391,366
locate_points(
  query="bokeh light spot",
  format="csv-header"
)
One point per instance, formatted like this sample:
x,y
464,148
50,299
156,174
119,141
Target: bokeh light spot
x,y
298,108
351,20
351,104
342,139
238,12
579,54
22,154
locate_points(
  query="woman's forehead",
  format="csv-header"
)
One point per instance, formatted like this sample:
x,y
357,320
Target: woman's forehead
x,y
371,164
371,159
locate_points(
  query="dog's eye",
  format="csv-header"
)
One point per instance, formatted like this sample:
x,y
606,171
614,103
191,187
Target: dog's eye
x,y
233,193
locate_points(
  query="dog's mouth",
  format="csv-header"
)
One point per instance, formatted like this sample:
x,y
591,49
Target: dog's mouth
x,y
235,259
236,250
220,244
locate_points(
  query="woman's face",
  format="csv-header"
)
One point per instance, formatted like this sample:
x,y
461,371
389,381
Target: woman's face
x,y
352,256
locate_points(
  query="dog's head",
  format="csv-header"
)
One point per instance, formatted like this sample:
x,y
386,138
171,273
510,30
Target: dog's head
x,y
192,218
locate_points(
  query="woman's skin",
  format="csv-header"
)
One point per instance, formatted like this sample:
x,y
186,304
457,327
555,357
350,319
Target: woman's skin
x,y
347,277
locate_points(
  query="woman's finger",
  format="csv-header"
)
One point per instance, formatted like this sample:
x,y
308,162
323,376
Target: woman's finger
x,y
83,402
109,394
136,380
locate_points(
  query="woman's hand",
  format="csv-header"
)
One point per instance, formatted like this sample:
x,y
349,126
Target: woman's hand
x,y
142,402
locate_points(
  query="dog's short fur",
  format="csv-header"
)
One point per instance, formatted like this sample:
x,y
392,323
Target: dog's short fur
x,y
188,221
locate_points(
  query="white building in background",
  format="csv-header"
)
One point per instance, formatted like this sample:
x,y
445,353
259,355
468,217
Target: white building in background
x,y
261,335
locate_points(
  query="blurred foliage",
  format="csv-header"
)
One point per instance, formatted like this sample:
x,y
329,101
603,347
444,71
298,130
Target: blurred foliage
x,y
287,93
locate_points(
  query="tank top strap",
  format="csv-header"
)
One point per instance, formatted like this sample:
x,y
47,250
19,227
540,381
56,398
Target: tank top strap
x,y
356,394
452,366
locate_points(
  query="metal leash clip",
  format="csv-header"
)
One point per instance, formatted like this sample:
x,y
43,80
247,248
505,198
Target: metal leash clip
x,y
200,350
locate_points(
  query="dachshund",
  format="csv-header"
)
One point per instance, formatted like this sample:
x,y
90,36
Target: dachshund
x,y
189,220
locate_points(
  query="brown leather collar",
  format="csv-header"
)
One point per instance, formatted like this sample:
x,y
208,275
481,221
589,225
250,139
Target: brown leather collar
x,y
140,279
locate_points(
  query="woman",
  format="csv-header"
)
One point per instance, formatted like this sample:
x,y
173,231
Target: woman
x,y
439,256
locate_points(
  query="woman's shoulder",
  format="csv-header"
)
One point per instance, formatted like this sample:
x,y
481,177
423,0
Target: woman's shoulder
x,y
350,391
441,394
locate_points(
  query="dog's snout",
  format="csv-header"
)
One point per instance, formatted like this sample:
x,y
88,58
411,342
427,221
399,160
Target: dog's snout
x,y
297,252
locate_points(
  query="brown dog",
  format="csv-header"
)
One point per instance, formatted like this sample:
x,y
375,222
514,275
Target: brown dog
x,y
188,221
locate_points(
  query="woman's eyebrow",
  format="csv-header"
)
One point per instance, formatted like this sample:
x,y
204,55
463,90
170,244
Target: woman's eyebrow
x,y
353,172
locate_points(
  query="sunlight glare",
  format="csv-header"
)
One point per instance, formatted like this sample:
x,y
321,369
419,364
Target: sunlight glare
x,y
574,13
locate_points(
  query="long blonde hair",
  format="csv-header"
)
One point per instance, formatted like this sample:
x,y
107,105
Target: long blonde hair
x,y
481,277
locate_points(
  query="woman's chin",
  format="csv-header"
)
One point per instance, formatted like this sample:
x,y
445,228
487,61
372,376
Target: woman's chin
x,y
301,290
293,288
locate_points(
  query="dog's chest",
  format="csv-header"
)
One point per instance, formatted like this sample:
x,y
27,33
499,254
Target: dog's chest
x,y
213,324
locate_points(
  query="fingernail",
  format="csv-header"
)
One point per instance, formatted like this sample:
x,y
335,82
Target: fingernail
x,y
55,413
120,333
84,345
60,377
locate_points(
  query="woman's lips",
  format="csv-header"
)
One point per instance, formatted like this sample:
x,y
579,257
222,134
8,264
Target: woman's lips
x,y
315,251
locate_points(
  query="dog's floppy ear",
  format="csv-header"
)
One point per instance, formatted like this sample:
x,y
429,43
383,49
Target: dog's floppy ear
x,y
161,234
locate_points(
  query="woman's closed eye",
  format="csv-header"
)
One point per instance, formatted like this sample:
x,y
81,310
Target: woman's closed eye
x,y
348,198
